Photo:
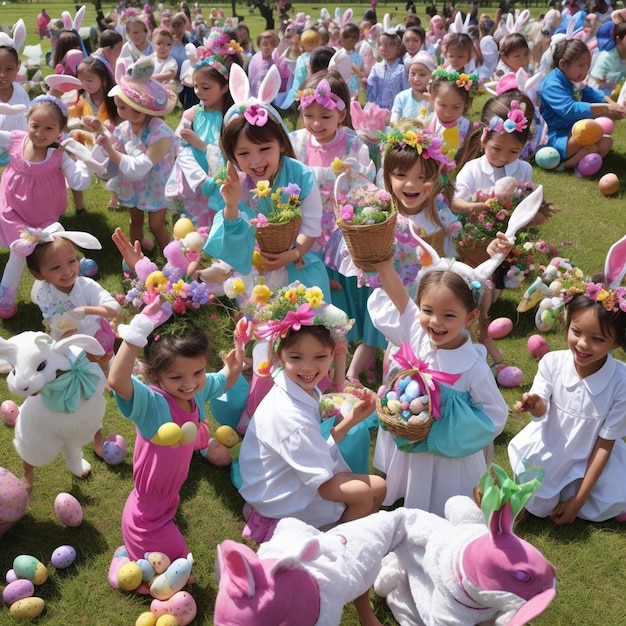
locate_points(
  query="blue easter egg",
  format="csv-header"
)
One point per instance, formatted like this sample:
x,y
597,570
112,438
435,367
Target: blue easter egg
x,y
403,382
412,390
88,267
404,398
547,158
406,414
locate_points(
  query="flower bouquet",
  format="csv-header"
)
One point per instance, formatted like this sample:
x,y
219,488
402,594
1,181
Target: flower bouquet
x,y
279,217
367,218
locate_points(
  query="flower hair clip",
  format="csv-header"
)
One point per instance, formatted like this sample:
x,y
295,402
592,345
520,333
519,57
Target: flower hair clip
x,y
323,95
612,300
255,114
422,140
515,122
30,238
469,82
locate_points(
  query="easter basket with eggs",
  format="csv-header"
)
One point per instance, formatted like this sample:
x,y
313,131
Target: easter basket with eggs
x,y
367,219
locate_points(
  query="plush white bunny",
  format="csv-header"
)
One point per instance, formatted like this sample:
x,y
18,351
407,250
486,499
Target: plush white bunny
x,y
64,403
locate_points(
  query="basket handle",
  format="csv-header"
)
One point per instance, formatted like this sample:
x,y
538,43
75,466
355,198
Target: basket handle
x,y
339,181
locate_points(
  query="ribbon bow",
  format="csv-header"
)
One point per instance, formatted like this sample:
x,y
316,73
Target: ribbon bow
x,y
30,238
68,391
323,95
276,329
255,114
407,359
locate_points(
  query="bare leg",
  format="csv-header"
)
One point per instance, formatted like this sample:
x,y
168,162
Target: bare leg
x,y
156,221
29,475
361,493
98,442
365,612
79,201
136,225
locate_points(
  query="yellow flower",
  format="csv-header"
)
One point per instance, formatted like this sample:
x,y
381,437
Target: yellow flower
x,y
410,138
314,297
261,294
291,295
178,287
336,166
238,287
301,290
264,368
257,260
263,188
603,294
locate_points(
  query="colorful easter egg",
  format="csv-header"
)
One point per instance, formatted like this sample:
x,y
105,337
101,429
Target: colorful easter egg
x,y
159,561
167,620
114,449
9,412
147,571
188,432
227,436
129,576
63,557
537,346
547,158
500,328
87,267
165,585
146,619
587,132
606,124
608,184
30,568
28,608
183,607
18,590
68,510
589,164
510,376
13,500
168,434
217,454
183,227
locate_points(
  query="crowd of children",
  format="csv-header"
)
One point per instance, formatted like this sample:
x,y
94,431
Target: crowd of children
x,y
229,158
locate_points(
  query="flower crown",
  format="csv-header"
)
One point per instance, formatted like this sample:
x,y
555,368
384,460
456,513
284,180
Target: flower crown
x,y
55,101
612,300
323,95
215,50
469,82
292,307
423,141
515,122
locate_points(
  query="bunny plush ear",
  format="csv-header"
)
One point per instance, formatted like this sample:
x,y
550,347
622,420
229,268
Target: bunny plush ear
x,y
19,34
239,84
337,16
524,212
615,264
68,23
85,342
347,16
325,14
269,87
8,351
521,20
78,19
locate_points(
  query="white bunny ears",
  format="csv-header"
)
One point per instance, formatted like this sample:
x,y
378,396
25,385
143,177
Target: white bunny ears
x,y
31,237
73,24
475,277
19,36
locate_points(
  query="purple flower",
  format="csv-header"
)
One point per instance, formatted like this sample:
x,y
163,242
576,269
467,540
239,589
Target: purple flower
x,y
292,189
199,292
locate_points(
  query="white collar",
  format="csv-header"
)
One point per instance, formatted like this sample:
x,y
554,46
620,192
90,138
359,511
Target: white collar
x,y
596,383
491,171
458,360
295,391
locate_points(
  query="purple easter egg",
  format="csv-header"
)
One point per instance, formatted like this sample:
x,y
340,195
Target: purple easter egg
x,y
88,267
590,164
114,449
510,376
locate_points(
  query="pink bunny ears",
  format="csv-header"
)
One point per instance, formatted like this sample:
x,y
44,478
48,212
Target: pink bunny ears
x,y
19,36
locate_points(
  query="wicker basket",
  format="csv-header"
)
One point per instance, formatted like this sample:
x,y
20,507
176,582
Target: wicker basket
x,y
395,424
436,241
277,238
474,252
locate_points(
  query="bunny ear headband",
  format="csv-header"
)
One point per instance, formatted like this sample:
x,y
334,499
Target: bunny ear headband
x,y
19,36
31,237
255,110
476,277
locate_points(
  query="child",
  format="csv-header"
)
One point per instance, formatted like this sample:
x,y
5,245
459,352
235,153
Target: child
x,y
414,102
576,402
451,95
191,186
514,51
138,45
388,77
310,39
175,364
32,190
68,53
110,44
562,104
254,141
261,62
459,52
436,327
608,68
242,33
349,37
412,41
144,151
165,66
93,103
183,50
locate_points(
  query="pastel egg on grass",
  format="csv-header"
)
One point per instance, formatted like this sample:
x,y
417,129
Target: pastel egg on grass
x,y
500,328
587,132
589,164
608,184
87,267
27,609
30,568
68,510
547,158
9,412
18,590
537,346
63,557
13,500
114,449
510,376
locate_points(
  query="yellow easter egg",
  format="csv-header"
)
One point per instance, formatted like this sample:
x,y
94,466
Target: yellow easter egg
x,y
188,433
27,608
168,435
183,227
227,436
146,619
587,132
155,279
167,620
129,576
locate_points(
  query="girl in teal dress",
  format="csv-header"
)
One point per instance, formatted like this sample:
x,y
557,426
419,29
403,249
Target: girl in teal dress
x,y
191,188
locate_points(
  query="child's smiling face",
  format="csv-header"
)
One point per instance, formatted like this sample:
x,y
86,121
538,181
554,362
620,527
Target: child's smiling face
x,y
260,161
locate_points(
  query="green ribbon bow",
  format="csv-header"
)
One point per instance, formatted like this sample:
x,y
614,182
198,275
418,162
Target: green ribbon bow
x,y
66,392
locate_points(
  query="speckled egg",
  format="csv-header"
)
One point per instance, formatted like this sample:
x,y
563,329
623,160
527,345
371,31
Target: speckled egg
x,y
510,376
500,328
227,436
114,449
547,158
28,608
30,568
13,500
181,605
167,620
68,510
9,412
608,184
146,619
217,454
129,576
537,346
18,590
63,557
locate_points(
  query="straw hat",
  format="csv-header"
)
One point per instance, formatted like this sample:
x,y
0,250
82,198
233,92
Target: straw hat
x,y
142,93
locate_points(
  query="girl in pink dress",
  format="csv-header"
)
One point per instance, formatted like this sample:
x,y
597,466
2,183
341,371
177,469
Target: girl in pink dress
x,y
32,188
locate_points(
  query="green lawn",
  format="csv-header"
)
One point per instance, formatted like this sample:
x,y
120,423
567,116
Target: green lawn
x,y
589,558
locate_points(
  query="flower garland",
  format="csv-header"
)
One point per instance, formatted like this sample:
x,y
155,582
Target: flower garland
x,y
470,82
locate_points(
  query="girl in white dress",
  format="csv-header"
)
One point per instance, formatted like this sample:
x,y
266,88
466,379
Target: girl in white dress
x,y
578,406
426,474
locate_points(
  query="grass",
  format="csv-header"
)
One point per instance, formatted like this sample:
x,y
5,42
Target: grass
x,y
588,557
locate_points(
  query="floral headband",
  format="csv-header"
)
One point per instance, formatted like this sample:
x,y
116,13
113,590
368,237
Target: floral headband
x,y
612,300
515,122
217,47
469,82
323,95
30,238
49,98
292,307
423,141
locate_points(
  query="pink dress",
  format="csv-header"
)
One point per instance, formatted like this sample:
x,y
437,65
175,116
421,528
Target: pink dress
x,y
31,194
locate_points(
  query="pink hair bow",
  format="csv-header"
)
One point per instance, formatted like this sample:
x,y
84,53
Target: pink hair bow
x,y
407,359
276,329
255,114
323,95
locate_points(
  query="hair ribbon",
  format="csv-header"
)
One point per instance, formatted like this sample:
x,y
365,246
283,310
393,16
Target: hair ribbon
x,y
323,95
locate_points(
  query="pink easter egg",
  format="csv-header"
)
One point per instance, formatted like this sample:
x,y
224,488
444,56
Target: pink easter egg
x,y
537,346
18,590
606,124
500,327
217,454
9,412
68,510
510,376
13,500
589,164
